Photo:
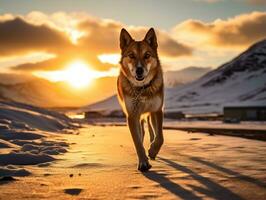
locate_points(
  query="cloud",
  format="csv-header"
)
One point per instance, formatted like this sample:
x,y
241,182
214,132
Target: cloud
x,y
20,37
251,2
47,65
257,2
103,37
54,33
240,31
208,1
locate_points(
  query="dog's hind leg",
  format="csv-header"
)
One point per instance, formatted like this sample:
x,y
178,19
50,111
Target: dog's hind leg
x,y
157,122
142,129
150,128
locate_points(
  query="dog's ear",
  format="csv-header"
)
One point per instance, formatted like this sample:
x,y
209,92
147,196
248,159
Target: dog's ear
x,y
151,38
125,39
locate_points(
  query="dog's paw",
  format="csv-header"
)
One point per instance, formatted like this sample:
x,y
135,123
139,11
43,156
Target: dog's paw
x,y
144,166
152,154
155,148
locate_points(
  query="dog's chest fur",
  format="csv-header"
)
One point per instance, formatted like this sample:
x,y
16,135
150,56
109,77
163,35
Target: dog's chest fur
x,y
142,104
140,100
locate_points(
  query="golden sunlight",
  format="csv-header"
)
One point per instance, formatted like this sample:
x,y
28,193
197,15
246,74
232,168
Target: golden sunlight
x,y
75,35
109,58
77,74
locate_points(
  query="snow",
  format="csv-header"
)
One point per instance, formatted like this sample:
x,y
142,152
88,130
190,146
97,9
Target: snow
x,y
238,90
106,106
30,136
27,158
11,170
216,125
189,166
183,76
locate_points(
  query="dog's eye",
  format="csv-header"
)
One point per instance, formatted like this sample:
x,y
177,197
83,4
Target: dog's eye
x,y
147,56
131,55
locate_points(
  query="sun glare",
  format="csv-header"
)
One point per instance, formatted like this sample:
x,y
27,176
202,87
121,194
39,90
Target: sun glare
x,y
77,74
109,58
75,35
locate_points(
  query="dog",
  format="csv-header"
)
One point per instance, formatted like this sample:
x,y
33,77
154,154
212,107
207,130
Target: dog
x,y
140,90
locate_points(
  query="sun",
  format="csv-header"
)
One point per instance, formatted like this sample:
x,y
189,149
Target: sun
x,y
78,75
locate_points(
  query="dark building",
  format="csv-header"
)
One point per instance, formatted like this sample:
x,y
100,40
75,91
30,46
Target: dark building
x,y
245,113
93,114
174,115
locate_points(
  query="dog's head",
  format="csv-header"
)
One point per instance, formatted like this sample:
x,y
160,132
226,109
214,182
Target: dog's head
x,y
139,60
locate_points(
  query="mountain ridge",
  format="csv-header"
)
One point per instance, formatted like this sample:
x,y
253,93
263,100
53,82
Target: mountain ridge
x,y
241,81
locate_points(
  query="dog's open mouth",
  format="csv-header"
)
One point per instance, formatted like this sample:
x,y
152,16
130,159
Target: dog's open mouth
x,y
139,78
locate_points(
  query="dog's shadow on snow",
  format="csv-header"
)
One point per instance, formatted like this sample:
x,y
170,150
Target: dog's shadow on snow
x,y
207,186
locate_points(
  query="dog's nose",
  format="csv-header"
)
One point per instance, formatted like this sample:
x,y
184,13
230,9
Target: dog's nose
x,y
139,71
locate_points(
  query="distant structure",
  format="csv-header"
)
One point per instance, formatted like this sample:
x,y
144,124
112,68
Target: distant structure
x,y
104,114
174,115
93,114
244,113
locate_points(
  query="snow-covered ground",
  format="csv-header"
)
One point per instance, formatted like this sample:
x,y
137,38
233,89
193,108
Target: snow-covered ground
x,y
37,161
169,123
30,136
216,125
101,163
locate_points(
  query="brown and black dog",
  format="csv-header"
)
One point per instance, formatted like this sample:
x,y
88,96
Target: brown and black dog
x,y
141,92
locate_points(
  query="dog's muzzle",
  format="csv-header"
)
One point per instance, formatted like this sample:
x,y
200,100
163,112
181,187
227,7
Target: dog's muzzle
x,y
139,73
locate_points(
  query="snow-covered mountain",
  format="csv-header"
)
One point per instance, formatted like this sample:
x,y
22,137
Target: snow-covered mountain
x,y
43,93
37,92
40,92
183,76
241,81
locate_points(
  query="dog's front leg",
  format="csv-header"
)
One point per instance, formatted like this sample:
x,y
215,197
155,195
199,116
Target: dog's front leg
x,y
135,130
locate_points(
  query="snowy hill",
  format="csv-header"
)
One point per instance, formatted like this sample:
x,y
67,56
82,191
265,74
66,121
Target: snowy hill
x,y
43,93
37,92
183,76
29,135
40,92
33,117
241,81
106,105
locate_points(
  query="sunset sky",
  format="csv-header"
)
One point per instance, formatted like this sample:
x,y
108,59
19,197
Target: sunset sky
x,y
51,38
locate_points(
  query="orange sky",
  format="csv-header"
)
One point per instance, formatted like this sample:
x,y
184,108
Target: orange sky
x,y
43,42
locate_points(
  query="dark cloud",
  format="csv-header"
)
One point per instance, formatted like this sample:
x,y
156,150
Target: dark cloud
x,y
241,30
103,37
257,2
18,36
251,2
172,48
61,62
47,65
